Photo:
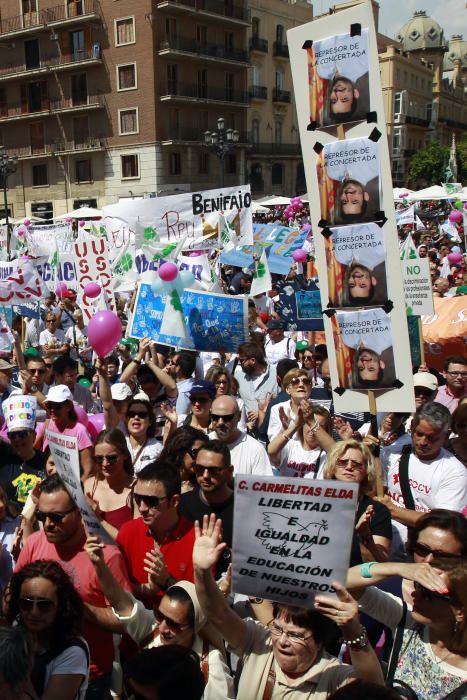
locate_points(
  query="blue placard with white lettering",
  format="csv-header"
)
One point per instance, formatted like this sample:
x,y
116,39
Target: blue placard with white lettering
x,y
279,241
214,321
299,306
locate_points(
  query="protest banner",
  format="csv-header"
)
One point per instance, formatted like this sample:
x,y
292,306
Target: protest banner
x,y
41,240
214,321
64,449
279,242
20,282
348,171
405,216
445,332
299,306
338,89
292,537
65,272
191,214
417,280
92,265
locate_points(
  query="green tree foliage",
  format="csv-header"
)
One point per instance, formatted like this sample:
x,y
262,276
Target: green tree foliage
x,y
427,166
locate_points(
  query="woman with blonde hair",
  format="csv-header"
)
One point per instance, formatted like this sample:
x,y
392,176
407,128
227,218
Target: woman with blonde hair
x,y
297,383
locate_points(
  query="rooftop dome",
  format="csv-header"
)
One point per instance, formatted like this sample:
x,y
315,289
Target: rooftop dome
x,y
421,32
457,49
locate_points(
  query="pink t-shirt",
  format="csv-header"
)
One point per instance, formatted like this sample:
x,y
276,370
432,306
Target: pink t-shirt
x,y
78,565
78,431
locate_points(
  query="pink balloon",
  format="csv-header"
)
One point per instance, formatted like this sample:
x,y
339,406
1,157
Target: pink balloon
x,y
82,415
21,230
299,255
455,258
455,216
168,271
82,223
92,290
403,195
104,332
68,219
96,424
195,253
60,289
27,222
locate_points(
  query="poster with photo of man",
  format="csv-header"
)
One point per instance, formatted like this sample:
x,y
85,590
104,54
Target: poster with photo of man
x,y
349,182
338,84
364,349
356,266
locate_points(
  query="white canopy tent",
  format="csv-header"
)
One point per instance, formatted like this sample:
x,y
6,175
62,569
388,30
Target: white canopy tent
x,y
257,208
275,201
397,191
435,192
81,213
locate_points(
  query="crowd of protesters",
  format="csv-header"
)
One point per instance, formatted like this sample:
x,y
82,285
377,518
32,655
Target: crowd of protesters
x,y
162,433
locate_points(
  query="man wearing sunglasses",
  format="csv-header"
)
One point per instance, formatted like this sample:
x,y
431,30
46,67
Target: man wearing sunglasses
x,y
248,455
214,474
62,540
160,530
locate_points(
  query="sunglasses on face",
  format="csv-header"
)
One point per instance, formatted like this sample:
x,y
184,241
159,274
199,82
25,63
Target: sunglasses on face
x,y
213,471
18,434
150,501
138,414
296,381
52,516
43,605
37,371
193,452
228,417
111,459
424,551
171,624
434,595
200,399
53,406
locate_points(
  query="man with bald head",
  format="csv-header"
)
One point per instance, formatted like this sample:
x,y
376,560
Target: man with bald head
x,y
247,454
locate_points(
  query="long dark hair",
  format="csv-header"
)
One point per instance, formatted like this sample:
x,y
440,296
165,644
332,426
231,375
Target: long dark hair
x,y
67,621
152,419
181,440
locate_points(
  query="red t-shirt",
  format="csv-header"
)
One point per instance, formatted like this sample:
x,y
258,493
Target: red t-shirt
x,y
78,565
136,540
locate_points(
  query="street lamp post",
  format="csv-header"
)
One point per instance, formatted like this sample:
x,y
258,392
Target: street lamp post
x,y
8,166
221,142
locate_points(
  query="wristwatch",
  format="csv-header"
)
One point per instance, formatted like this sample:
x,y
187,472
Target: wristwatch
x,y
34,388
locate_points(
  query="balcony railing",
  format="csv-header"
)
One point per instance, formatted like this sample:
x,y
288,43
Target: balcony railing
x,y
11,113
189,134
280,95
50,16
194,92
275,149
58,147
280,50
258,92
258,44
50,63
211,50
225,8
417,121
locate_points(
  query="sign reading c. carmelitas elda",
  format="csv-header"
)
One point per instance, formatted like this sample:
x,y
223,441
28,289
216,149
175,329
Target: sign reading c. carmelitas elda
x,y
292,537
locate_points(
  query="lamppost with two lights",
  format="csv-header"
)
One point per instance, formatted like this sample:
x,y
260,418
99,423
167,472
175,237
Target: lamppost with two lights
x,y
221,142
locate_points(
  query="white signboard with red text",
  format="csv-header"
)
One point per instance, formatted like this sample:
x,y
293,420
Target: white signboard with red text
x,y
92,265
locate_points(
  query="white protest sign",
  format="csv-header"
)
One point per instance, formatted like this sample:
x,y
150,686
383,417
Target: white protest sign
x,y
92,265
64,449
43,240
406,216
20,283
292,537
417,281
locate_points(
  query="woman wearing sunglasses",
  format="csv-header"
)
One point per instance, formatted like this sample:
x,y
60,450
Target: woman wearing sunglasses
x,y
109,489
180,451
432,655
140,429
41,597
297,384
178,620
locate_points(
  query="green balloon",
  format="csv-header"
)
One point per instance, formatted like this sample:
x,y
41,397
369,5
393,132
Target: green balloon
x,y
459,204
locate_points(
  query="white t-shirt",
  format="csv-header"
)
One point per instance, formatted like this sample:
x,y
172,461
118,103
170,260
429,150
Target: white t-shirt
x,y
72,661
435,483
57,338
148,454
248,456
275,424
284,349
295,461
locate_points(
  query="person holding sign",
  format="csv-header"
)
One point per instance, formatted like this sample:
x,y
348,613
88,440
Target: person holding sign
x,y
287,656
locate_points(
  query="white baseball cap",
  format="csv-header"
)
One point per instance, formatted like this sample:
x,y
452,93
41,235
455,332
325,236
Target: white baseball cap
x,y
120,391
59,394
426,380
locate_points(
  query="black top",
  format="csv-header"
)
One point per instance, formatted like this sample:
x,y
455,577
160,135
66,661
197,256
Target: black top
x,y
194,508
18,475
380,525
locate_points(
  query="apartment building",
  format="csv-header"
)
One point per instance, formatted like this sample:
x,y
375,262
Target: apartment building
x,y
105,99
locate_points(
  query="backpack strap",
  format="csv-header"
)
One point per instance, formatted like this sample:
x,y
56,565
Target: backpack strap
x,y
269,687
396,647
404,478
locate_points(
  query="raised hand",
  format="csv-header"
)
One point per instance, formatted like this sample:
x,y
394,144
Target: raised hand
x,y
342,610
95,549
208,547
363,525
155,566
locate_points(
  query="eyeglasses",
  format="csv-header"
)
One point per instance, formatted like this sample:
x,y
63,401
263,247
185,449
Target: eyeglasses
x,y
150,501
243,359
215,417
457,374
50,320
296,381
43,605
193,452
421,391
307,357
200,399
422,550
296,637
171,624
137,414
352,463
212,471
434,595
111,459
52,515
37,371
54,405
18,434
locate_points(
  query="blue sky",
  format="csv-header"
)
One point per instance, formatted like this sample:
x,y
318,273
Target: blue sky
x,y
451,14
